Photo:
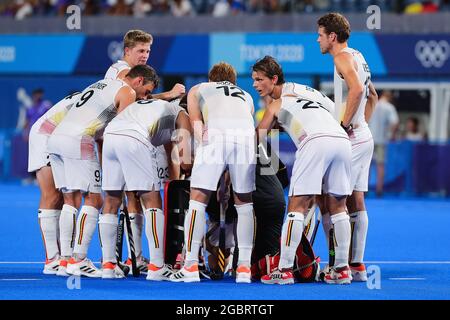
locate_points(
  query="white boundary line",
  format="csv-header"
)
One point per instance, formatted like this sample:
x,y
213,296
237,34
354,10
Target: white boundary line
x,y
407,279
20,279
323,262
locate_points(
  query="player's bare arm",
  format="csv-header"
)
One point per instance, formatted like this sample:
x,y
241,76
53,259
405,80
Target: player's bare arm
x,y
124,98
173,161
195,114
372,100
184,140
269,119
345,66
177,91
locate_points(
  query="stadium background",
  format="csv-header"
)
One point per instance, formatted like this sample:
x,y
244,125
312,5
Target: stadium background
x,y
39,51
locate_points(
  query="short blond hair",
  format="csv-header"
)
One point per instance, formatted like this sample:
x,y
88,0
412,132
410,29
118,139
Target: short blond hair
x,y
222,71
133,37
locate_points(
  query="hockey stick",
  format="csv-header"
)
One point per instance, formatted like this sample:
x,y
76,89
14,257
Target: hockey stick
x,y
310,219
221,251
331,252
316,227
119,240
136,272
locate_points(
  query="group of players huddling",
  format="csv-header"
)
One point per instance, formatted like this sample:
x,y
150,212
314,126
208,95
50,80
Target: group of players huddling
x,y
116,138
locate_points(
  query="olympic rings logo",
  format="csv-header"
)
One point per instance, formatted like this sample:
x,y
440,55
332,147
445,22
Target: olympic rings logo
x,y
115,50
432,53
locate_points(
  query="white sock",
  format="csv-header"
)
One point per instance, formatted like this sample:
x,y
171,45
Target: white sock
x,y
360,223
154,230
67,222
107,226
48,222
326,223
341,225
86,224
245,232
137,224
291,235
194,230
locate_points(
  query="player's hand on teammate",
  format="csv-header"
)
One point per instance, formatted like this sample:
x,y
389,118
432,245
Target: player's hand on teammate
x,y
177,91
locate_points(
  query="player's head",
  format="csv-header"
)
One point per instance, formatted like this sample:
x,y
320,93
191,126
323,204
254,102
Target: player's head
x,y
143,79
333,28
136,47
222,71
267,73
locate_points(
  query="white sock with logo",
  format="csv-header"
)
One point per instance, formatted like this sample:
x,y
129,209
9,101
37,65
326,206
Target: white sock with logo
x,y
67,223
291,235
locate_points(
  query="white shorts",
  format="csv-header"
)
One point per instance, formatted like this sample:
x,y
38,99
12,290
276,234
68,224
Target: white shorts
x,y
362,152
322,163
162,165
76,174
212,159
37,152
128,164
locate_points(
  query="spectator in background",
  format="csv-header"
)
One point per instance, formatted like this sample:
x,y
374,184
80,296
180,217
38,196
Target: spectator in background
x,y
24,8
38,108
120,7
180,8
141,8
224,8
384,125
90,7
413,130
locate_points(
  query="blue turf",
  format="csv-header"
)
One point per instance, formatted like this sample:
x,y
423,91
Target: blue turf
x,y
401,230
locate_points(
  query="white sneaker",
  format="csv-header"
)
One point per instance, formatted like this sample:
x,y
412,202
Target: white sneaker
x,y
84,267
185,274
341,275
159,274
112,271
243,274
51,266
358,272
62,269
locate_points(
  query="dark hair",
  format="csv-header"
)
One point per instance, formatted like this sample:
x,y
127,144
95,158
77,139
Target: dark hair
x,y
337,23
414,120
38,91
145,71
270,67
222,71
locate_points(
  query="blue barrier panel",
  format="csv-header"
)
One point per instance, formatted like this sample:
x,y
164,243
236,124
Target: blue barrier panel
x,y
415,54
298,53
55,54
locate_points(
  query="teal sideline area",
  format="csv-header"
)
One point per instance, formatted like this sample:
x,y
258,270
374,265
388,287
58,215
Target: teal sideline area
x,y
407,248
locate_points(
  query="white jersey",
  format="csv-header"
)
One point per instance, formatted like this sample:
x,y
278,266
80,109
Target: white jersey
x,y
116,68
307,115
363,71
227,109
301,90
75,136
147,120
47,123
